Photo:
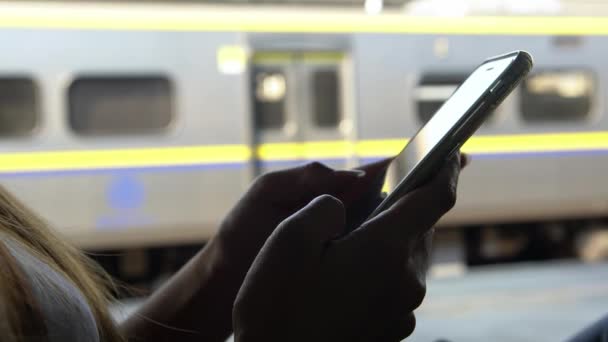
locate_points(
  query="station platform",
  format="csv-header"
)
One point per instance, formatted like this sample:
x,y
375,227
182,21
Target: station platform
x,y
547,301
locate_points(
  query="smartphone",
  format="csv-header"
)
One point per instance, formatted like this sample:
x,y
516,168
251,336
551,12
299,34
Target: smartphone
x,y
454,122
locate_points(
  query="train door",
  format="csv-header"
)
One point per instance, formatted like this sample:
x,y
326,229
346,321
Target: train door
x,y
299,110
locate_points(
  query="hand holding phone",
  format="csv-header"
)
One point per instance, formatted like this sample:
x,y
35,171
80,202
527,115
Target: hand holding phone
x,y
453,124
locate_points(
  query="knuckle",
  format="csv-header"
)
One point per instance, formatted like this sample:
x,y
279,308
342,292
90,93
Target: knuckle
x,y
265,180
448,198
415,291
316,168
409,325
418,295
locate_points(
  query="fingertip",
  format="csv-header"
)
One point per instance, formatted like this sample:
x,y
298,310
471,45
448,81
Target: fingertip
x,y
328,203
332,213
465,160
319,221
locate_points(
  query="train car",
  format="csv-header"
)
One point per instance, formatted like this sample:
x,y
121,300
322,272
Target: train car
x,y
142,124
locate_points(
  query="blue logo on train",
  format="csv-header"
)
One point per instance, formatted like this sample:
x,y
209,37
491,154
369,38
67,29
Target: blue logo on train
x,y
126,192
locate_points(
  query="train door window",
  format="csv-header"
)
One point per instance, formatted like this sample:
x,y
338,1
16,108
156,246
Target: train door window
x,y
552,96
432,91
269,97
120,105
18,106
326,97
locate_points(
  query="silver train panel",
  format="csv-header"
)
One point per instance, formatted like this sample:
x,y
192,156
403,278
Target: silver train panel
x,y
379,76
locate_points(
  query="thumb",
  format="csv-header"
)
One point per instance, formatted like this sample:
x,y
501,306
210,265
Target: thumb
x,y
299,241
315,224
275,283
286,260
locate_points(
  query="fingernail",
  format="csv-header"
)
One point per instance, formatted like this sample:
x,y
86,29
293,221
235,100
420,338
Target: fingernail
x,y
355,173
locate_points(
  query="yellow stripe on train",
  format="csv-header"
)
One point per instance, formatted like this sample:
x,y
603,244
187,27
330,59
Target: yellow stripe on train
x,y
550,142
122,158
306,150
222,154
238,19
498,144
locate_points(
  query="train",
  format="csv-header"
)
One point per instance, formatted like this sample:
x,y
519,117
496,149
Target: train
x,y
133,124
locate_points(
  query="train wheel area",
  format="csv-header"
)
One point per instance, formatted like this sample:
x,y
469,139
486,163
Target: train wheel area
x,y
536,282
456,252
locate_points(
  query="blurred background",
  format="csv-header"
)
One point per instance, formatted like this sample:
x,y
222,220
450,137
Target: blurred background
x,y
133,127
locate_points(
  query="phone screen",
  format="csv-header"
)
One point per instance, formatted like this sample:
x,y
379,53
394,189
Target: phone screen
x,y
444,120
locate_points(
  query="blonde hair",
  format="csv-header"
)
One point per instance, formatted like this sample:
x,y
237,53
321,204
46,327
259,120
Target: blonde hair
x,y
20,223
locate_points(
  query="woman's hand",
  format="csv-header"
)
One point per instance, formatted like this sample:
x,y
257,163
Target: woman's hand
x,y
196,303
275,196
305,285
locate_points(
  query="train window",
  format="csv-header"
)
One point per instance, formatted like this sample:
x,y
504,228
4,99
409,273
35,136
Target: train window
x,y
120,105
557,96
18,106
432,91
326,98
269,94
